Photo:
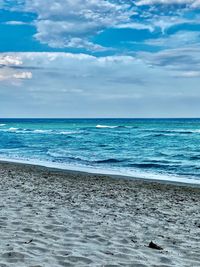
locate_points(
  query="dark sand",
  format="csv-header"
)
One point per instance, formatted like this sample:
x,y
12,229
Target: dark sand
x,y
55,218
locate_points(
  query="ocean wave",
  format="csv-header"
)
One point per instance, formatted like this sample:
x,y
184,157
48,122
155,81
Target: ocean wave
x,y
157,135
39,131
161,161
69,132
64,155
185,132
197,157
106,126
12,129
147,165
20,130
110,126
179,131
189,131
108,161
53,154
170,134
2,124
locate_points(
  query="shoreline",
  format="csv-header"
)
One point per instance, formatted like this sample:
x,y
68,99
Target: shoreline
x,y
89,171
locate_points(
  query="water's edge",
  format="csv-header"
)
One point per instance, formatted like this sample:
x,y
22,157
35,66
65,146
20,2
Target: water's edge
x,y
89,171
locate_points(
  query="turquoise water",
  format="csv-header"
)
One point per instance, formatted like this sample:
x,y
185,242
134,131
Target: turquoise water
x,y
150,148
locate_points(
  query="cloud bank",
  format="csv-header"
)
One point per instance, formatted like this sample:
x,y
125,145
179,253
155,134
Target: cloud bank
x,y
80,85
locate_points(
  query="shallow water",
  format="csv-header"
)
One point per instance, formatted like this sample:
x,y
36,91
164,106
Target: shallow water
x,y
162,148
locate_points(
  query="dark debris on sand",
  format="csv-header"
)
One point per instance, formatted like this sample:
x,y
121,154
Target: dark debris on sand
x,y
154,246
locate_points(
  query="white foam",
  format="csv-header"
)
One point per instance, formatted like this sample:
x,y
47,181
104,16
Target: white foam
x,y
106,126
1,125
38,131
69,132
41,131
12,129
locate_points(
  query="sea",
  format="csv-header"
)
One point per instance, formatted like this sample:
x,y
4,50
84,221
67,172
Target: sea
x,y
161,149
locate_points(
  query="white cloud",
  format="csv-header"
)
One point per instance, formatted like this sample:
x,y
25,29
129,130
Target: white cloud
x,y
10,76
9,63
23,75
189,74
15,22
137,26
192,3
78,43
63,23
10,60
154,21
179,39
183,59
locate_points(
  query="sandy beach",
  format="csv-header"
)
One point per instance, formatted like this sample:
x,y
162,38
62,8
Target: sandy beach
x,y
55,218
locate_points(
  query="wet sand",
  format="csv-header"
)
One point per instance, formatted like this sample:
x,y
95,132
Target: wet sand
x,y
51,218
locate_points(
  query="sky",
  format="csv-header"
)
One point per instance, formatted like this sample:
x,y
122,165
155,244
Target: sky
x,y
99,58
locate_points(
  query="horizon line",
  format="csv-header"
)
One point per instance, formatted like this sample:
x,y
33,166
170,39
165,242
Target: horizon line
x,y
95,118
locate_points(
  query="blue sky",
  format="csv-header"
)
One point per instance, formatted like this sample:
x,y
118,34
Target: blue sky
x,y
99,58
